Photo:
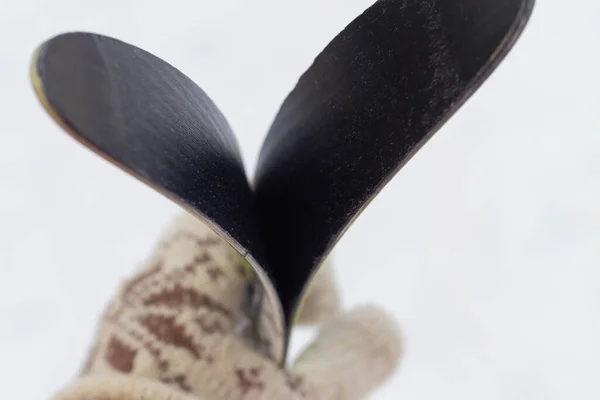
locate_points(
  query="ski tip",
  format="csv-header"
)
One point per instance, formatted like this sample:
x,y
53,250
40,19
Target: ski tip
x,y
36,78
71,80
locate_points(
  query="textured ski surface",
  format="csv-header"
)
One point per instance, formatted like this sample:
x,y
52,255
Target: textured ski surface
x,y
370,100
149,119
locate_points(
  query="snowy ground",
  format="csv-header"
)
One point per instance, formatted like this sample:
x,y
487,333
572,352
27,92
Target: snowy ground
x,y
485,247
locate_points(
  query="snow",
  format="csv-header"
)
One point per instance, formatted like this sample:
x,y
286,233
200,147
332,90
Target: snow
x,y
485,247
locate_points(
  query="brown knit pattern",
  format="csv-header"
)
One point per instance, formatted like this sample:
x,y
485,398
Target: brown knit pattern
x,y
185,303
192,324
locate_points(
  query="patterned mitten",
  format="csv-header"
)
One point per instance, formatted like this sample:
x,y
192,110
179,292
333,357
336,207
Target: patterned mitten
x,y
181,329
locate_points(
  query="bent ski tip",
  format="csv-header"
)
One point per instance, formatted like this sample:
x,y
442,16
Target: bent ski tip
x,y
38,88
147,118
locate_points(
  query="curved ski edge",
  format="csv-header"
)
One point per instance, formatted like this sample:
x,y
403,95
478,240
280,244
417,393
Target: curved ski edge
x,y
279,348
512,36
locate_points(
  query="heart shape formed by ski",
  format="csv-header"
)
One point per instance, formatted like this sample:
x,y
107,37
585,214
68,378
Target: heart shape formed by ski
x,y
370,100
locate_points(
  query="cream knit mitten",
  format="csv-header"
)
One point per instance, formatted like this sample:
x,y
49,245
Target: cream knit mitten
x,y
179,330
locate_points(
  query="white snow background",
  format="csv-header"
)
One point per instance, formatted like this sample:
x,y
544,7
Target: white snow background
x,y
485,247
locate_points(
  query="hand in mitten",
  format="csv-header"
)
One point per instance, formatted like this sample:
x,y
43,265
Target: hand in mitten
x,y
181,329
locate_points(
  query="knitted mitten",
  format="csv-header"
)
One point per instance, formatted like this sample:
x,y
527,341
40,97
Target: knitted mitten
x,y
181,329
